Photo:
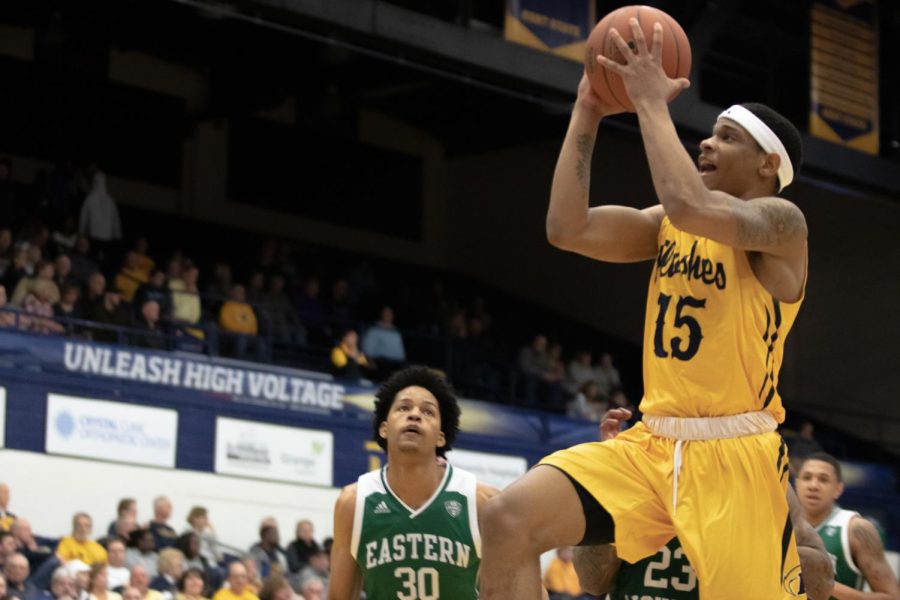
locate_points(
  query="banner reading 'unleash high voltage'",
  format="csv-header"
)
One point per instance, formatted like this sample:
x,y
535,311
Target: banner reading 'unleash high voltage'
x,y
557,26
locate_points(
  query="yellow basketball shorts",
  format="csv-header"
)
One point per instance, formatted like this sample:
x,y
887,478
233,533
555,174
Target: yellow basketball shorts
x,y
730,511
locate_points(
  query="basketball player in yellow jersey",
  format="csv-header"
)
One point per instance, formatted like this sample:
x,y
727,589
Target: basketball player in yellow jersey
x,y
730,258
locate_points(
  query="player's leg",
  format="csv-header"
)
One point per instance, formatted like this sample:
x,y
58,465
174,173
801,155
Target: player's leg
x,y
540,511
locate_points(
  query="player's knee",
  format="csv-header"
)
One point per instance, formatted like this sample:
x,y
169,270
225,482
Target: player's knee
x,y
504,522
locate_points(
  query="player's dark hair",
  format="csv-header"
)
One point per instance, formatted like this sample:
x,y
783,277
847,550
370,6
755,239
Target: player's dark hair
x,y
825,457
432,381
781,127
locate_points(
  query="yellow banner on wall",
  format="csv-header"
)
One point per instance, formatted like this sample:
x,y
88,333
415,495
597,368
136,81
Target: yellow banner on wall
x,y
844,73
558,26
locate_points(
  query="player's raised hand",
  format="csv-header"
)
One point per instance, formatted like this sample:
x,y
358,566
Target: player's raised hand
x,y
642,73
590,101
612,421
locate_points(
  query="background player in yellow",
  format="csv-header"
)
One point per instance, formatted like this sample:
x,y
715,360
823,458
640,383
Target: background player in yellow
x,y
705,463
853,543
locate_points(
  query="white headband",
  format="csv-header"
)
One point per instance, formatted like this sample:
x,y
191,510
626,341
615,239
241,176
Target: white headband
x,y
765,137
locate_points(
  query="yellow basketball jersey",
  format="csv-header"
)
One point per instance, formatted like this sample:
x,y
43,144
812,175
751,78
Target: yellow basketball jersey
x,y
713,336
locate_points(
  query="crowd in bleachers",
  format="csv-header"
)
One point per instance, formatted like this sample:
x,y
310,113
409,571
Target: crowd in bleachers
x,y
152,561
67,269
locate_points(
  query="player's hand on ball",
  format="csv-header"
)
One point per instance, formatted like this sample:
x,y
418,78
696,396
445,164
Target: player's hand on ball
x,y
590,101
642,73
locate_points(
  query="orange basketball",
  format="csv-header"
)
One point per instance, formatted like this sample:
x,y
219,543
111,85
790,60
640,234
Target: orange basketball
x,y
676,50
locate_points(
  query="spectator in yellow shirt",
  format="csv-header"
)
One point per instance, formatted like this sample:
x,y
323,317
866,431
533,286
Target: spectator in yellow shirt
x,y
79,545
130,277
347,359
237,317
560,578
238,588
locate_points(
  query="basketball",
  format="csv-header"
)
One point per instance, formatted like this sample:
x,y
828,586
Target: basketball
x,y
676,50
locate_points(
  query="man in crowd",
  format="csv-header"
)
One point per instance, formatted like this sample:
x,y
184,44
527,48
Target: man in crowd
x,y
164,535
16,572
238,588
140,580
79,545
300,549
6,517
117,574
268,554
35,552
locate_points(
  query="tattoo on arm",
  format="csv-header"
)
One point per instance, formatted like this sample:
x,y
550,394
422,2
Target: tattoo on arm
x,y
774,222
870,557
585,145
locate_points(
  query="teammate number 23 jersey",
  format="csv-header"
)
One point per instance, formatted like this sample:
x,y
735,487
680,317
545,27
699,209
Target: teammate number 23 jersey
x,y
714,336
425,554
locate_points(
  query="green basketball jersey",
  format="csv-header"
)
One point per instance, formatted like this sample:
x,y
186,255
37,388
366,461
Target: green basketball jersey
x,y
425,554
667,575
835,532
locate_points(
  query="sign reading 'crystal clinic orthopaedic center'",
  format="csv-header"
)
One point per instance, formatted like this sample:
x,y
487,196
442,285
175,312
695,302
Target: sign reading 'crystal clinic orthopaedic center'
x,y
264,451
112,431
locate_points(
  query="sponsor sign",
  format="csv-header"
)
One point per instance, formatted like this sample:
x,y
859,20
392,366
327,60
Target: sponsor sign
x,y
561,27
264,451
498,470
111,431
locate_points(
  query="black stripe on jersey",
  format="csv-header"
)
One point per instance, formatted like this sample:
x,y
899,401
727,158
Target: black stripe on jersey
x,y
769,379
782,451
786,541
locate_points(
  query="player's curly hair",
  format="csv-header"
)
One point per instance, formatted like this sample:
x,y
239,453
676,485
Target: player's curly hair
x,y
432,381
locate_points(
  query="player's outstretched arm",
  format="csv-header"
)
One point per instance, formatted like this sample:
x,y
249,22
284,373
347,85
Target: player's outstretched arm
x,y
346,580
868,554
609,233
771,225
817,570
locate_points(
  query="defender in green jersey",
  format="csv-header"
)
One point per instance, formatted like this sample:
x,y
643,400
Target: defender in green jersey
x,y
409,531
853,543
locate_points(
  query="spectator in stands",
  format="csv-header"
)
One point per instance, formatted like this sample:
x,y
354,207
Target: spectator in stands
x,y
79,545
82,262
140,580
347,359
16,572
587,404
43,278
62,586
198,523
238,318
238,588
456,326
539,374
276,587
313,589
580,370
302,547
38,312
164,535
150,333
155,289
254,579
26,544
98,587
286,325
192,585
99,214
175,268
560,579
81,578
6,517
130,278
607,375
62,267
221,284
93,297
144,263
8,547
312,312
7,320
127,507
117,573
171,567
319,567
186,306
19,268
270,557
65,237
69,306
383,343
256,287
132,593
189,545
142,553
110,313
